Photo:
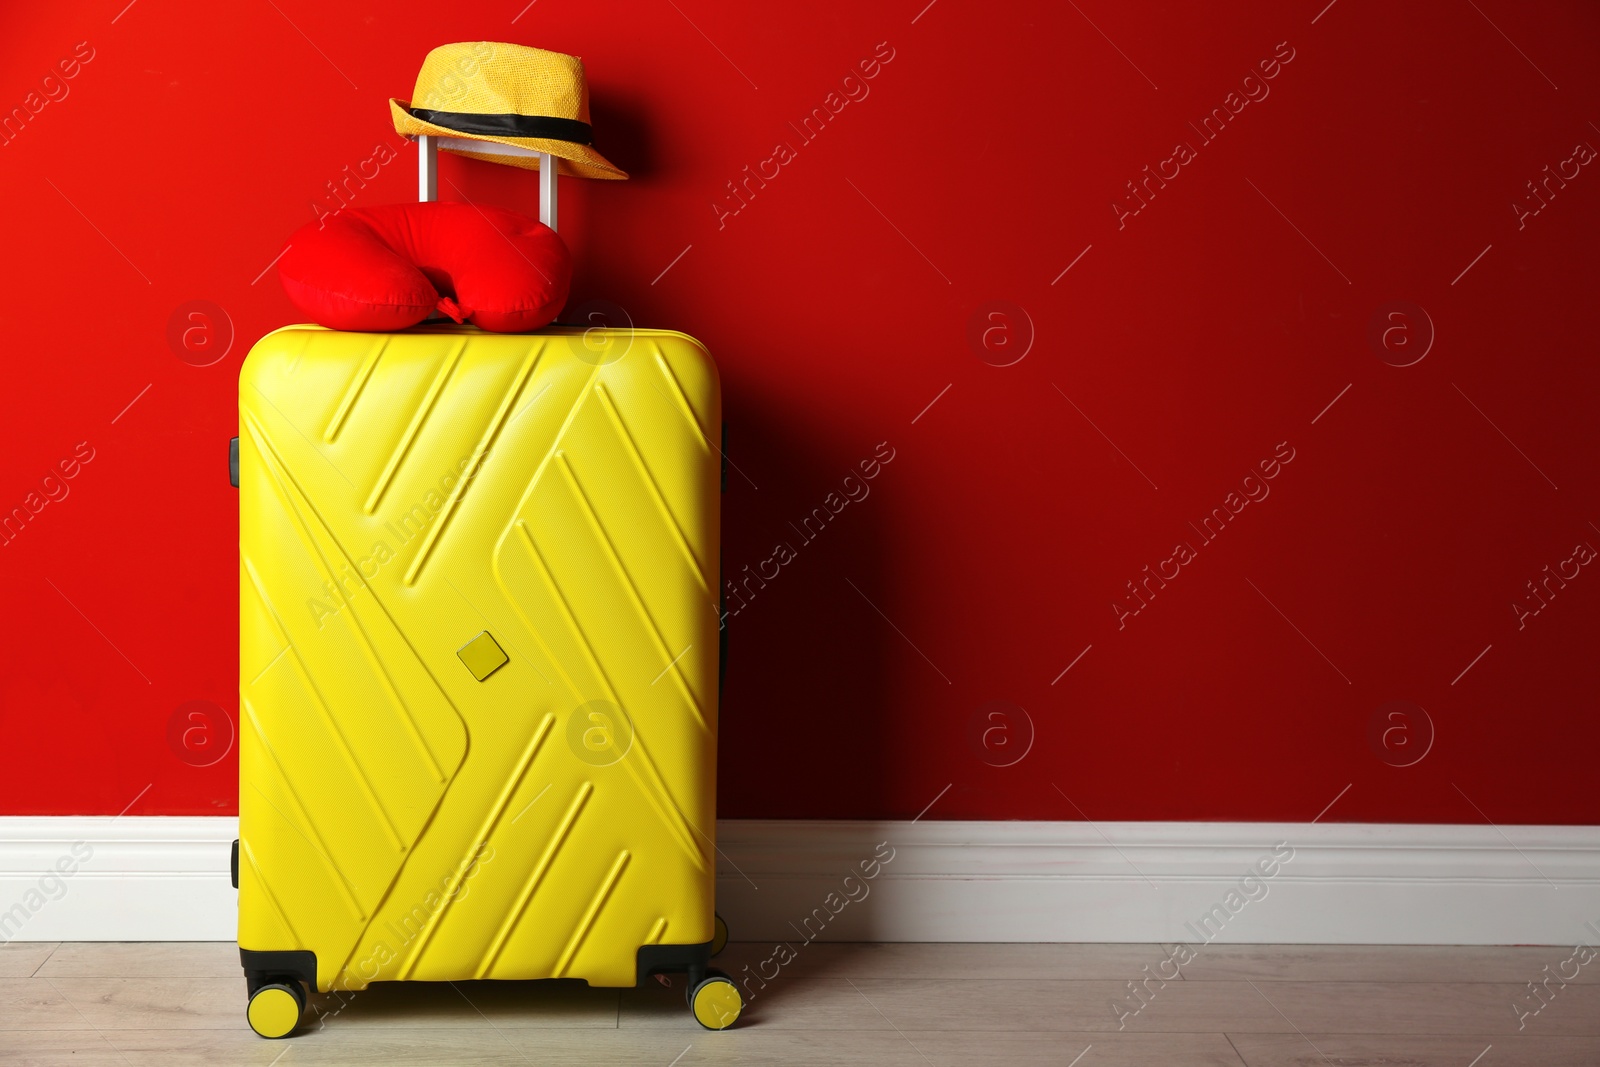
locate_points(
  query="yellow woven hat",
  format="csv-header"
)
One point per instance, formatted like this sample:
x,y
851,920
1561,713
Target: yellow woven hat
x,y
505,94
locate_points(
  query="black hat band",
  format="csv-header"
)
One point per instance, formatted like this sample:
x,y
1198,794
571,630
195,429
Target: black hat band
x,y
543,126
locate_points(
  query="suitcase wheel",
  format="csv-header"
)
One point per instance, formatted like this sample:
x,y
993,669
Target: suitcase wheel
x,y
719,936
275,1009
716,1002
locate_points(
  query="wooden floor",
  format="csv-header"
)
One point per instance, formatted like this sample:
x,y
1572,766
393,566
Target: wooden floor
x,y
171,1005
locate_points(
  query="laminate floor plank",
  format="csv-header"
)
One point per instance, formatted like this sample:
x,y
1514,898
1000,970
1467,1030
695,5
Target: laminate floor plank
x,y
1066,1006
1431,1050
33,1004
1387,963
20,959
945,1048
133,959
1431,1008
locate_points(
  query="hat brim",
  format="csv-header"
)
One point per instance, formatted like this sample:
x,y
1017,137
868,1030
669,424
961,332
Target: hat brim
x,y
577,160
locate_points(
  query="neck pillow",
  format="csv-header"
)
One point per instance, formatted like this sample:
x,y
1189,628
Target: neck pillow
x,y
388,267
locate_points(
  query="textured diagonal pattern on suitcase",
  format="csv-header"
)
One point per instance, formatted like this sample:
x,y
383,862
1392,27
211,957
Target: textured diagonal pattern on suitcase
x,y
400,495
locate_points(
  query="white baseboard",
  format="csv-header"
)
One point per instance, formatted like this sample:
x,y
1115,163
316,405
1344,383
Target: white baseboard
x,y
160,879
1153,882
145,879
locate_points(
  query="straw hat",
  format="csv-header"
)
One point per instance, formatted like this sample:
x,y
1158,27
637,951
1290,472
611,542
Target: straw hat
x,y
506,94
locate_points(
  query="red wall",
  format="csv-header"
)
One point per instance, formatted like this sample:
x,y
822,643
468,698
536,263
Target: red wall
x,y
1190,342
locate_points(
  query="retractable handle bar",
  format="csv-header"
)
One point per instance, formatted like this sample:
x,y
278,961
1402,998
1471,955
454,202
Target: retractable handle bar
x,y
428,146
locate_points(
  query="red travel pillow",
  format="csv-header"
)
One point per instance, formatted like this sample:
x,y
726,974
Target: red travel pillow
x,y
388,267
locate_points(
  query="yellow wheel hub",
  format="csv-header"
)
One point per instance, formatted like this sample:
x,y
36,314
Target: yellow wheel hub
x,y
719,936
273,1011
717,1004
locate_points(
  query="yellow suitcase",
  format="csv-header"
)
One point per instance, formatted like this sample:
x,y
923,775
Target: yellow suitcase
x,y
478,665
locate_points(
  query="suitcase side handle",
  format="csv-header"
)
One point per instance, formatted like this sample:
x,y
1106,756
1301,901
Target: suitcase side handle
x,y
428,146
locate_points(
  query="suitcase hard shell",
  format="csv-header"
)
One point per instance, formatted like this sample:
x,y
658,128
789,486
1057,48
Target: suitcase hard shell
x,y
478,655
